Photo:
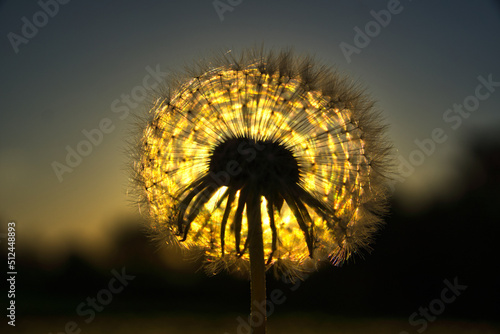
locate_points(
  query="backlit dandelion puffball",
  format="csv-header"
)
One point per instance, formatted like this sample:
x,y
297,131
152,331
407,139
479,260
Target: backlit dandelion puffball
x,y
266,128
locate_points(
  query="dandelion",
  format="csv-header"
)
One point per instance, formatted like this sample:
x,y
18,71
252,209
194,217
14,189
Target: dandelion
x,y
261,161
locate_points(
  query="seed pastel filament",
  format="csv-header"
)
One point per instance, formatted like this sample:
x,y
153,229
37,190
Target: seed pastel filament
x,y
297,138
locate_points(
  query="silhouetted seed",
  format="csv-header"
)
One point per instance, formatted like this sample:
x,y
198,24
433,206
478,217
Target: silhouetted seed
x,y
279,175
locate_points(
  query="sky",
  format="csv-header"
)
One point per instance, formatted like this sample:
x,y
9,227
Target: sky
x,y
71,72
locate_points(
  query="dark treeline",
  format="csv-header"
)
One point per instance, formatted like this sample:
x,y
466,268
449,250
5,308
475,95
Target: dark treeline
x,y
412,257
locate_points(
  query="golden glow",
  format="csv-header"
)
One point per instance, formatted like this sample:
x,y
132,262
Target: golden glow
x,y
225,103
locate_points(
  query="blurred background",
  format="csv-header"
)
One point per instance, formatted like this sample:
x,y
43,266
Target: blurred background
x,y
66,67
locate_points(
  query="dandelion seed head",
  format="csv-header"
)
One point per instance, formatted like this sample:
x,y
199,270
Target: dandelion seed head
x,y
301,136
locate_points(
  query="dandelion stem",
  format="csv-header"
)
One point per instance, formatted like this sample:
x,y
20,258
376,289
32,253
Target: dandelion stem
x,y
257,265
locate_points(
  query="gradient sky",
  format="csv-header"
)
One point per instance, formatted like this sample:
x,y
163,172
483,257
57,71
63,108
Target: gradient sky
x,y
66,77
